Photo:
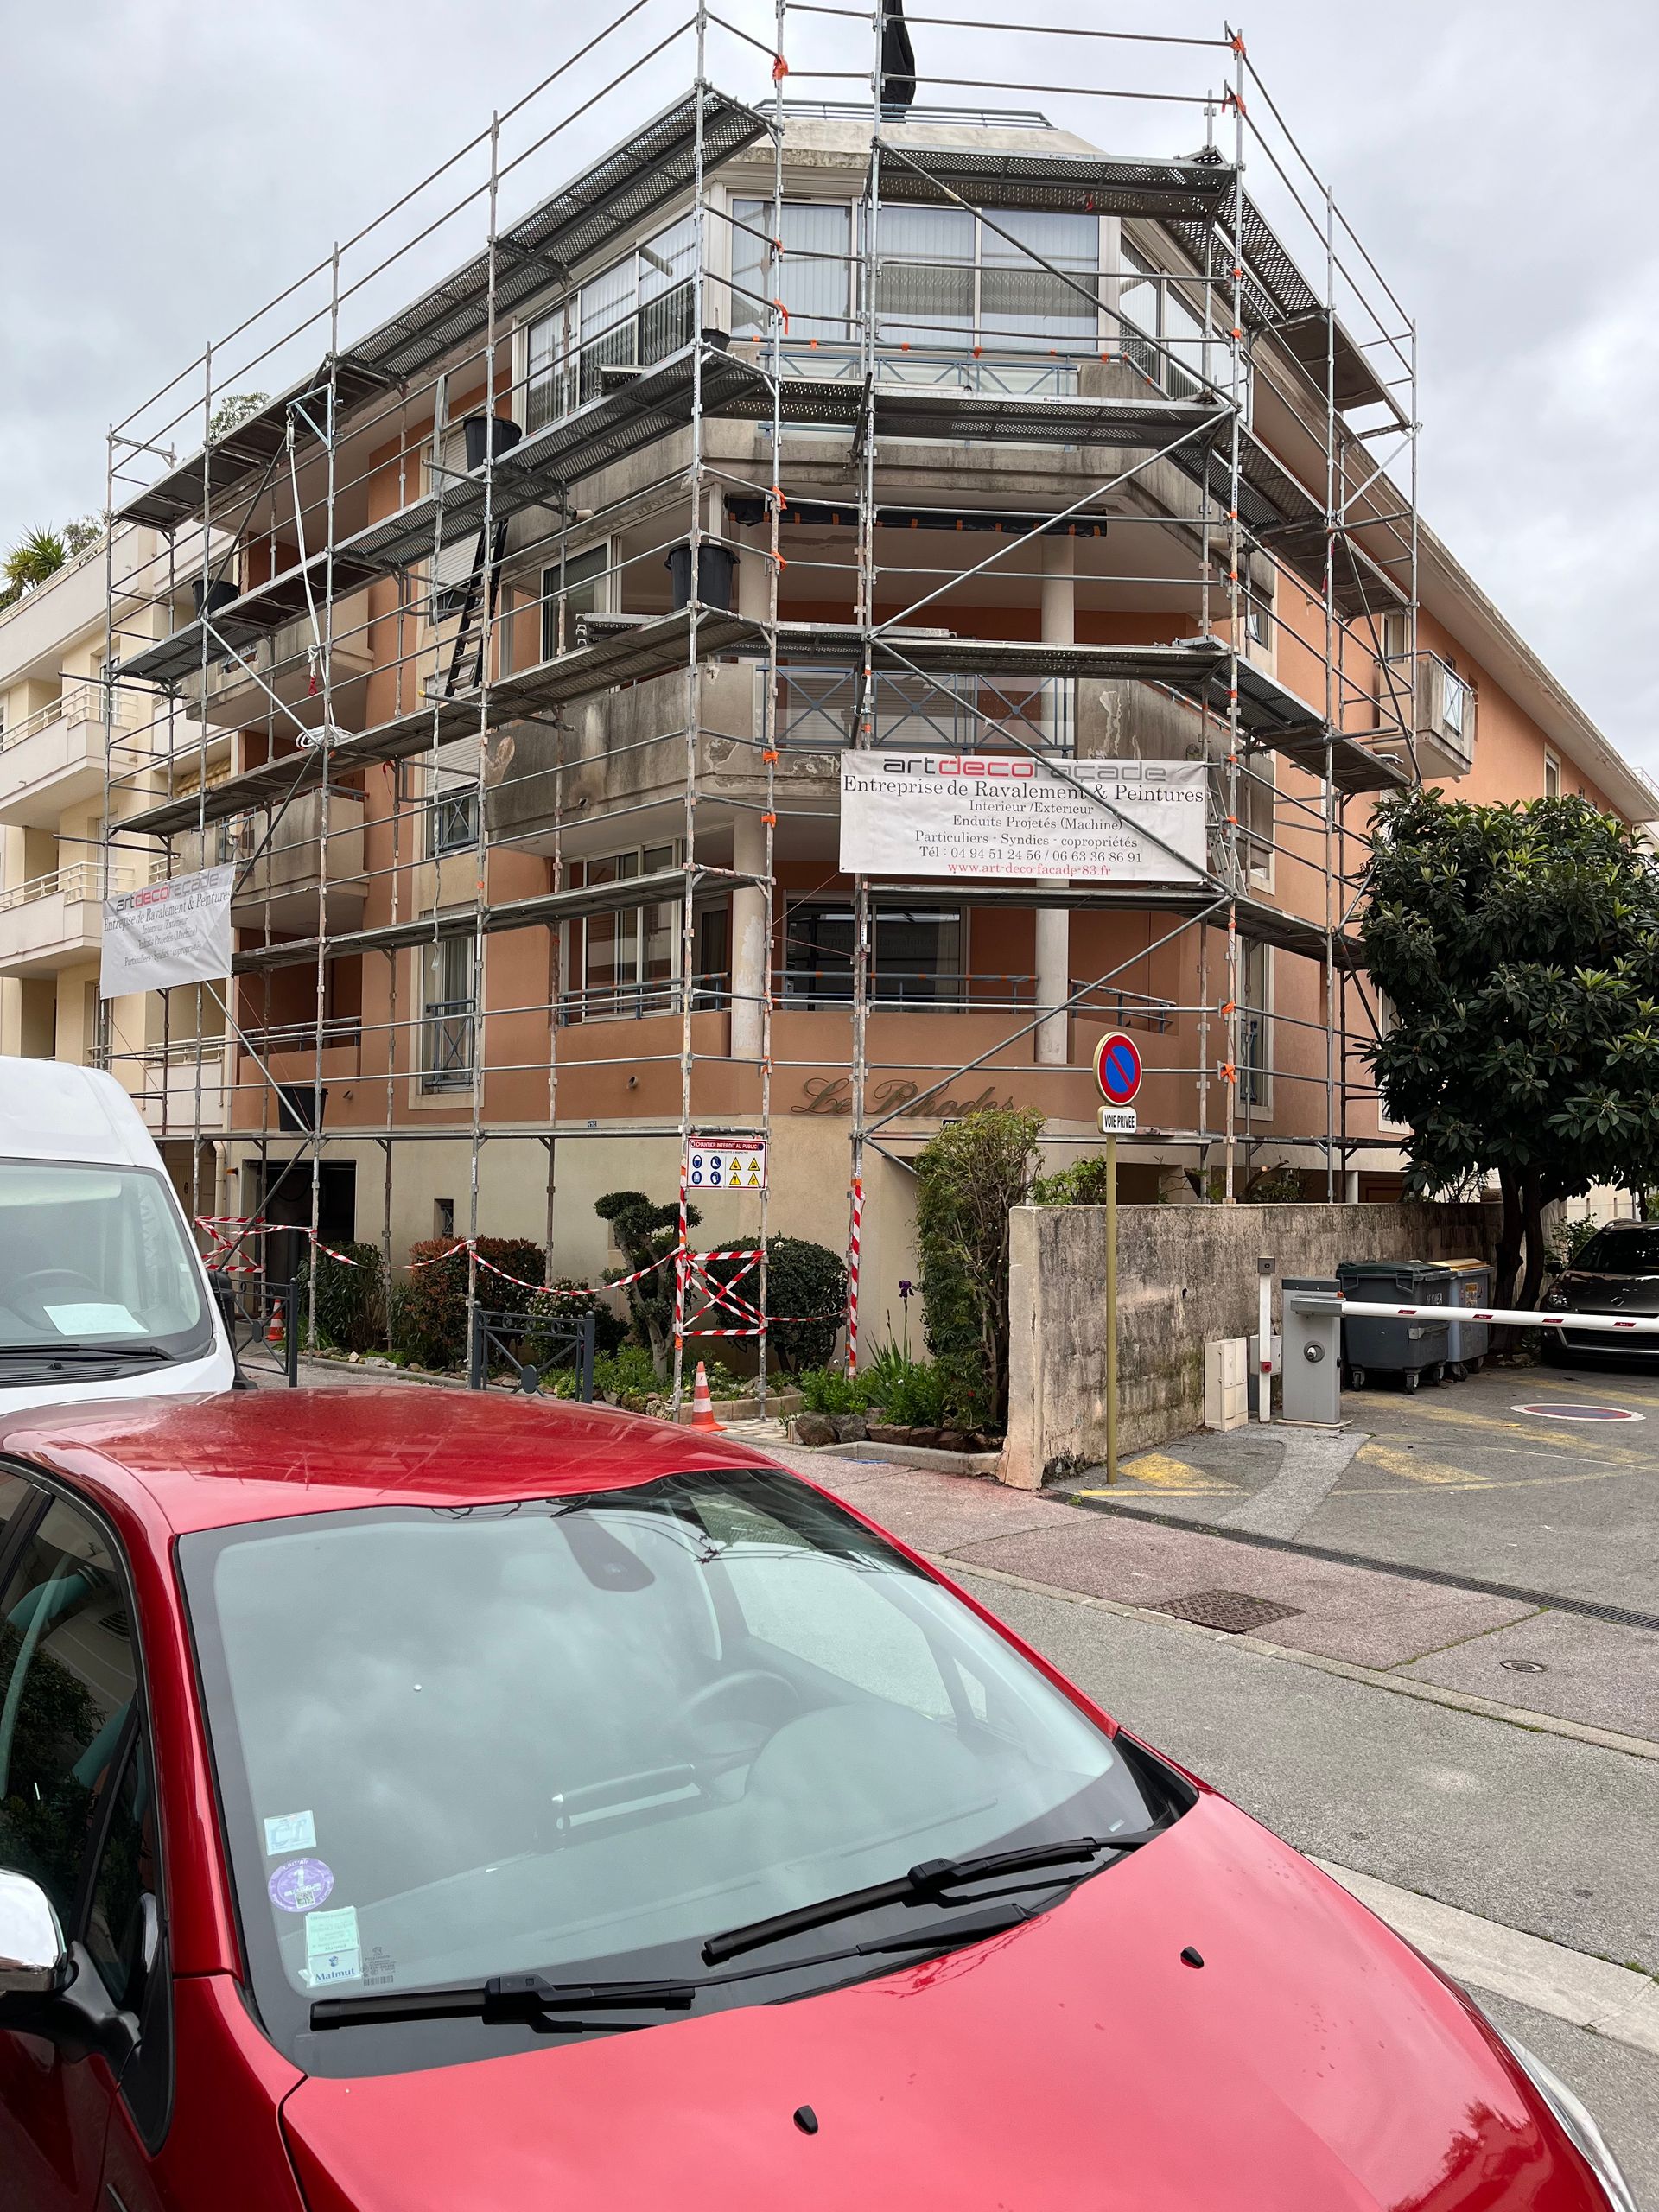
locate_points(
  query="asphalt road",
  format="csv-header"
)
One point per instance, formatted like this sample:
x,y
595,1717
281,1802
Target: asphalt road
x,y
1461,1479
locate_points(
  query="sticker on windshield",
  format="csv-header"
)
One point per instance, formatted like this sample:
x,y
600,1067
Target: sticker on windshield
x,y
89,1320
333,1950
291,1832
301,1884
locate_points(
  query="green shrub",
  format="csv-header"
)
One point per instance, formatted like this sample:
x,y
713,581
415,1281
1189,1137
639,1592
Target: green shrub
x,y
351,1300
967,1179
428,1317
913,1392
1084,1183
831,1390
626,1377
807,1279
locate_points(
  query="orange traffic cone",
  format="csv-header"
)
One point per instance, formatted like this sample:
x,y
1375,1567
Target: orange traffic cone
x,y
702,1406
277,1332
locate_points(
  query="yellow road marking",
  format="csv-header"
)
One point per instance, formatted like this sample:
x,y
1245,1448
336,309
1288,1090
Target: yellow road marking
x,y
1416,1469
1452,1417
1166,1473
1586,1391
1506,1482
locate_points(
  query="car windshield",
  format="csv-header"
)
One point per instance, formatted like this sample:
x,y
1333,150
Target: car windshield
x,y
96,1257
580,1736
1626,1248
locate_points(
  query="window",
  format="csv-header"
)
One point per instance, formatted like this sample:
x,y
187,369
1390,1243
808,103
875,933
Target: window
x,y
1256,1030
455,822
67,1683
917,955
1023,303
813,279
638,312
96,1257
924,287
125,1876
1551,776
1152,305
568,594
448,1016
647,1714
443,1217
629,960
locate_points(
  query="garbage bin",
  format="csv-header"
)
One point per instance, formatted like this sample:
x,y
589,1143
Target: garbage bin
x,y
1409,1346
1470,1341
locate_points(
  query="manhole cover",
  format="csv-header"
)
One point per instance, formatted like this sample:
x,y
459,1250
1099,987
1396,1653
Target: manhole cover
x,y
1230,1611
1579,1412
1524,1666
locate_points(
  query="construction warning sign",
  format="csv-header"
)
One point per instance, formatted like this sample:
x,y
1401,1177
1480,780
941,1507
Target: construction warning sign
x,y
727,1164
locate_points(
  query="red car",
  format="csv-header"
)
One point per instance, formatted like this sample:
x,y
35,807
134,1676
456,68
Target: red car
x,y
418,1802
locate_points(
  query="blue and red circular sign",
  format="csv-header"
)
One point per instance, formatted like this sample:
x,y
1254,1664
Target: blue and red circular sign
x,y
1117,1067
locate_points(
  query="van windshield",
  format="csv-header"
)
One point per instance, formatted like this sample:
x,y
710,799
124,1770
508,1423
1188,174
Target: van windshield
x,y
95,1260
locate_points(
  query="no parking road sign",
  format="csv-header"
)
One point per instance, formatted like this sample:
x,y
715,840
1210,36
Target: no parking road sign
x,y
1118,1068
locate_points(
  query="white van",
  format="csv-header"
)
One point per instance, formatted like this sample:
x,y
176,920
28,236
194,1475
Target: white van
x,y
102,1291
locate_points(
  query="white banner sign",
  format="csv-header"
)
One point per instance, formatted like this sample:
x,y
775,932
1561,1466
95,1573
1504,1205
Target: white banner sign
x,y
999,816
168,933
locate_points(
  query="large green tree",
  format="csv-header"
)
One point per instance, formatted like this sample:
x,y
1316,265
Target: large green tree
x,y
1518,947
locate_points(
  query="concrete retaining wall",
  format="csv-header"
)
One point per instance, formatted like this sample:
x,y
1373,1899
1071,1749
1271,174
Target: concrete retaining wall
x,y
1186,1275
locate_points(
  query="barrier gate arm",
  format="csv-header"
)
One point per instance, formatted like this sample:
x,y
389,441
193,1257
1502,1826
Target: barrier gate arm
x,y
1312,1331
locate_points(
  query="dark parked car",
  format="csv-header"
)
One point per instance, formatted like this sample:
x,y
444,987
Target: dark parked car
x,y
1617,1272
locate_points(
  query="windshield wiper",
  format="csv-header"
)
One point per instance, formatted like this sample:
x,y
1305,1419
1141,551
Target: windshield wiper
x,y
922,1884
530,1998
83,1351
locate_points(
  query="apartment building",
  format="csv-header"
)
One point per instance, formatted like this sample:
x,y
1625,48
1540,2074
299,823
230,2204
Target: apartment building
x,y
75,751
540,619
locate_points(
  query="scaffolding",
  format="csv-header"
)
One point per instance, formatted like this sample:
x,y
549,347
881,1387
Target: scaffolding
x,y
401,643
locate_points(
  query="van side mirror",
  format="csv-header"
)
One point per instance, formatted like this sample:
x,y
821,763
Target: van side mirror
x,y
33,1958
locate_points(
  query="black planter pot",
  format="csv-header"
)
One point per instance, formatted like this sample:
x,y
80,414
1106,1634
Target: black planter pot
x,y
210,598
487,433
715,568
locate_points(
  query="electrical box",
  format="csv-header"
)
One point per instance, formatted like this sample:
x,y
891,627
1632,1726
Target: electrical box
x,y
1226,1384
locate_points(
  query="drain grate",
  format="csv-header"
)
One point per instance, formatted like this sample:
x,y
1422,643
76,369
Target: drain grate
x,y
1230,1611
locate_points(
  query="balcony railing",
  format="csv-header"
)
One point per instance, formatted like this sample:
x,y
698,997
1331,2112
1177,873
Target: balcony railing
x,y
448,1044
302,1036
81,879
626,1001
1123,1009
85,702
818,711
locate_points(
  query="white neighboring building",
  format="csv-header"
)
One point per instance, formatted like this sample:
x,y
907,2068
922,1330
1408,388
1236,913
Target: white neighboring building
x,y
60,726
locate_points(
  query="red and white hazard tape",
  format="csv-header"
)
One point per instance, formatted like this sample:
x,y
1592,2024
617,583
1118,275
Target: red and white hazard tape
x,y
852,1275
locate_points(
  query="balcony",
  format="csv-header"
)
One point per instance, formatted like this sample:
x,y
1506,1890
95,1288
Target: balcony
x,y
56,759
56,921
1436,705
276,680
279,878
183,1089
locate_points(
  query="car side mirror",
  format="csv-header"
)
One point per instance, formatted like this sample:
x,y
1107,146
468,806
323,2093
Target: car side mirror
x,y
1553,1264
34,1959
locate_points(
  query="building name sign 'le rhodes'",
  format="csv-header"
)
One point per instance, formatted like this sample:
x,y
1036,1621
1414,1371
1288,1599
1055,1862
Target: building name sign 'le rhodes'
x,y
999,816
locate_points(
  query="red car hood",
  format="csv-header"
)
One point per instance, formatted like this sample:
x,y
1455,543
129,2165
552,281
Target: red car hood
x,y
1312,2065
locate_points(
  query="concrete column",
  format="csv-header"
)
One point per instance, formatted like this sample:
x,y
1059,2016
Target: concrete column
x,y
749,946
1054,925
752,582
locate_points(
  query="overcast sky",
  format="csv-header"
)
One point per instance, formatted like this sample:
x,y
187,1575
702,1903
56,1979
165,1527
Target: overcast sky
x,y
170,165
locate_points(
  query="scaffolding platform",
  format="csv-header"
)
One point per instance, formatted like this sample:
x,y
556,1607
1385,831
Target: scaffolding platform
x,y
606,202
666,888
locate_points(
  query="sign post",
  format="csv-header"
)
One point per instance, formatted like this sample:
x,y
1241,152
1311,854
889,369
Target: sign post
x,y
1117,1073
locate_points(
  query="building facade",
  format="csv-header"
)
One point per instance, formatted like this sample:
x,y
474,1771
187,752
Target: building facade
x,y
515,653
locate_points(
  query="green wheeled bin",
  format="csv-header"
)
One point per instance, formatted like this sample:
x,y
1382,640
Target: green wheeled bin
x,y
1416,1347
